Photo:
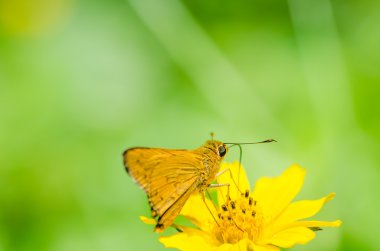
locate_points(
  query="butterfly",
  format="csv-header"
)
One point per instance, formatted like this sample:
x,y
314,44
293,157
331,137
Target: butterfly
x,y
169,177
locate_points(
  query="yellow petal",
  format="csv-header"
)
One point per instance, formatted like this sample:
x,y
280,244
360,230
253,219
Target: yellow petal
x,y
299,210
239,178
291,236
265,248
273,195
224,247
336,223
243,244
148,221
190,231
185,242
196,211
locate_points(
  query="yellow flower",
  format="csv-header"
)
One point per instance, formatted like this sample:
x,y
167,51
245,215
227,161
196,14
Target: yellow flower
x,y
261,220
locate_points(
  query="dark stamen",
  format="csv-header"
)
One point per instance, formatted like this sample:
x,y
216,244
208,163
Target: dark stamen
x,y
246,193
232,204
224,207
250,201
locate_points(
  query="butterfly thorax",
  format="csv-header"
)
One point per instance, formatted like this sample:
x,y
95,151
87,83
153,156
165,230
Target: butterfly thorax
x,y
211,160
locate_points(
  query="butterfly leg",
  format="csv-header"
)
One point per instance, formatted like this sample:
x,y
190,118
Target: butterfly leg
x,y
222,185
218,185
215,186
231,176
204,201
221,172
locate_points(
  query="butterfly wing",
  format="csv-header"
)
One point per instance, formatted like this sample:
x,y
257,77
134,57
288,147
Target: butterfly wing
x,y
167,218
167,176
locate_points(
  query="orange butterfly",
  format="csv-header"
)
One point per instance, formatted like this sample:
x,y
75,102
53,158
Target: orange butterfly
x,y
169,177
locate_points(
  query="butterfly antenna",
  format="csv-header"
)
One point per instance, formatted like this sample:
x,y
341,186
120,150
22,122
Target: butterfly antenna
x,y
241,154
252,143
240,158
212,135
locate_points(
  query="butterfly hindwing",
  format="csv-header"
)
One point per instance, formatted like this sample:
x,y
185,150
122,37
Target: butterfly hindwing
x,y
170,214
167,176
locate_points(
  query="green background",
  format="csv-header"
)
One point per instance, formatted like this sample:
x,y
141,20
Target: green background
x,y
81,81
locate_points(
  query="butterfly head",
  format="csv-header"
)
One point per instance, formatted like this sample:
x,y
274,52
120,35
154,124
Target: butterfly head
x,y
217,147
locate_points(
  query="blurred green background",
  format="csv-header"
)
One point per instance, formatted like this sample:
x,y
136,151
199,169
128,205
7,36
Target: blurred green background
x,y
82,80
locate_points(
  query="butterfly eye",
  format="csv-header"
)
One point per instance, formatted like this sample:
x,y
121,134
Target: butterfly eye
x,y
222,151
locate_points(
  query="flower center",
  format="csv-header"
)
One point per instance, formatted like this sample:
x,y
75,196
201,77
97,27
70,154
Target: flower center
x,y
239,219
